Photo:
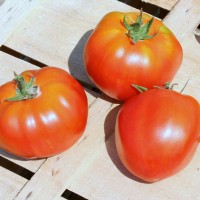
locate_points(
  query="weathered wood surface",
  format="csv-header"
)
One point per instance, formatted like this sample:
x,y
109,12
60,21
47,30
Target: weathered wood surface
x,y
54,32
12,13
166,4
10,184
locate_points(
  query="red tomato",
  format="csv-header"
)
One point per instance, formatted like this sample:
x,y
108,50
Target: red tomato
x,y
115,58
49,119
157,133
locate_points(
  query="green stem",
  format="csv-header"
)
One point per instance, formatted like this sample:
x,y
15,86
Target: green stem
x,y
24,90
139,88
167,86
137,30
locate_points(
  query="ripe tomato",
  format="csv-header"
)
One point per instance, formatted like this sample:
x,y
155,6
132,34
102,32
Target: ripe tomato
x,y
120,53
43,119
157,133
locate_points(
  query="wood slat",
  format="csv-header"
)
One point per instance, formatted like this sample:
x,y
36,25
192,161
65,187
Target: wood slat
x,y
184,18
10,184
8,64
12,14
56,32
190,69
59,172
102,179
166,4
107,179
117,182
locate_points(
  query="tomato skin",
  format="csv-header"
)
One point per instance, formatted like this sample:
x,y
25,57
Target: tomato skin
x,y
157,133
113,62
47,124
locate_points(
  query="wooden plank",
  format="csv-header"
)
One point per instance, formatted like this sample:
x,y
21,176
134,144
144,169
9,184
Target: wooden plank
x,y
184,18
190,68
58,172
10,184
100,174
91,167
8,64
89,182
56,32
168,5
106,179
12,14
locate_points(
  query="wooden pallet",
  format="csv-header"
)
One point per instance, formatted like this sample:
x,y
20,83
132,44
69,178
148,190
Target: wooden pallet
x,y
35,33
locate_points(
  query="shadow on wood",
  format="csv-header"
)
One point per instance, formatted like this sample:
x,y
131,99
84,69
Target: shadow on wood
x,y
76,64
76,61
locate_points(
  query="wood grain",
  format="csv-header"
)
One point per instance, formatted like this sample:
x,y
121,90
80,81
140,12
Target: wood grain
x,y
113,181
54,32
12,14
166,4
10,184
184,18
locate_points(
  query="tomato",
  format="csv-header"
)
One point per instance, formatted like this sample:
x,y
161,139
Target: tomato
x,y
119,53
157,133
44,116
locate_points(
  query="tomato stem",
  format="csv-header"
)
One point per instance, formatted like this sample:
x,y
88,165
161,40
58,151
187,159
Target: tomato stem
x,y
137,30
139,88
24,90
167,86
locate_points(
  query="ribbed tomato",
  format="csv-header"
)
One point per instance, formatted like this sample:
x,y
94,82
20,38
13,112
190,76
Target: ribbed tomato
x,y
42,113
157,133
131,48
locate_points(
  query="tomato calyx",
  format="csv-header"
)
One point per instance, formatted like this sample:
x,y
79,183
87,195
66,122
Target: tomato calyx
x,y
137,30
24,90
167,86
139,88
